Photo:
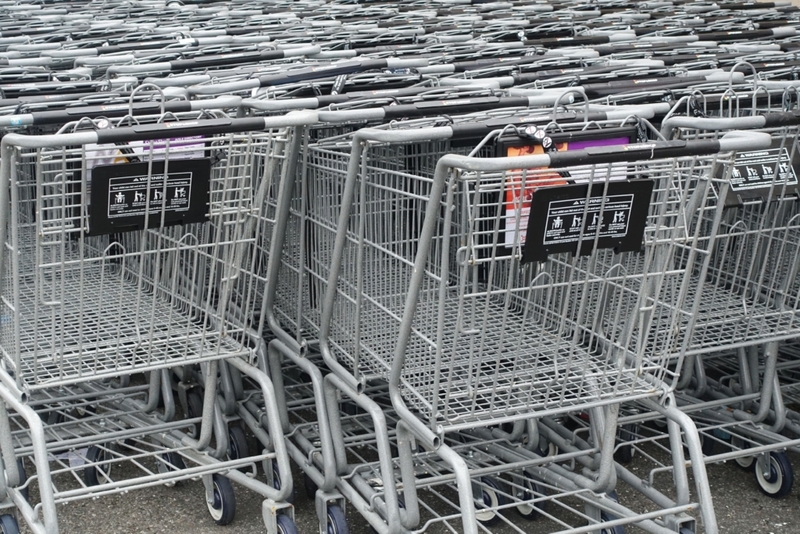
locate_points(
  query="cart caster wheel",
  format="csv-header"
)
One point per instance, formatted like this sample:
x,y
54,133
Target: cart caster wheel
x,y
744,462
170,461
23,478
547,449
781,476
400,502
605,516
337,522
55,418
625,451
83,412
237,444
223,507
529,490
492,498
350,408
707,444
286,525
8,525
194,408
310,486
94,474
613,530
277,484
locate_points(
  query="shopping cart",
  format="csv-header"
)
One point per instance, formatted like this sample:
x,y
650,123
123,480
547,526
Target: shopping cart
x,y
748,292
104,278
367,281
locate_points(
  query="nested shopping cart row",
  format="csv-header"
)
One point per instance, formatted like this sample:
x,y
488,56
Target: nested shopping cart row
x,y
434,292
146,282
363,278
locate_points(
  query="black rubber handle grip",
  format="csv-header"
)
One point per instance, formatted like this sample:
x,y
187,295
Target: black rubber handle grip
x,y
748,5
536,33
569,41
326,100
596,90
775,23
110,110
622,153
529,77
29,31
245,30
773,120
173,130
472,130
388,48
138,45
651,29
768,65
323,71
456,105
220,60
511,61
670,60
736,35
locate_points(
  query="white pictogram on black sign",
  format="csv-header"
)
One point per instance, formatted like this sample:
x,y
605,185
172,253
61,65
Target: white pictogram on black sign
x,y
133,196
755,170
128,195
613,213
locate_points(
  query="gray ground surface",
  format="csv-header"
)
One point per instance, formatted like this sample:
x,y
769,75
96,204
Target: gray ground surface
x,y
741,509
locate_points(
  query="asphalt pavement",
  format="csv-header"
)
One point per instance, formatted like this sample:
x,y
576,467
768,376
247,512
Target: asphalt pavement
x,y
741,509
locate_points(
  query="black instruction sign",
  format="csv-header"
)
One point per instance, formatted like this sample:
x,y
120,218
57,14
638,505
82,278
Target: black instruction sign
x,y
123,195
613,213
761,173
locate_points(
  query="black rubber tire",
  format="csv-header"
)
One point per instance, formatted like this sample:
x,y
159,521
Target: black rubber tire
x,y
491,495
84,412
223,509
194,408
277,481
531,487
286,525
613,530
625,451
781,478
91,474
174,462
605,516
746,463
8,524
337,521
549,449
55,418
310,487
23,477
708,445
401,502
350,408
237,444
